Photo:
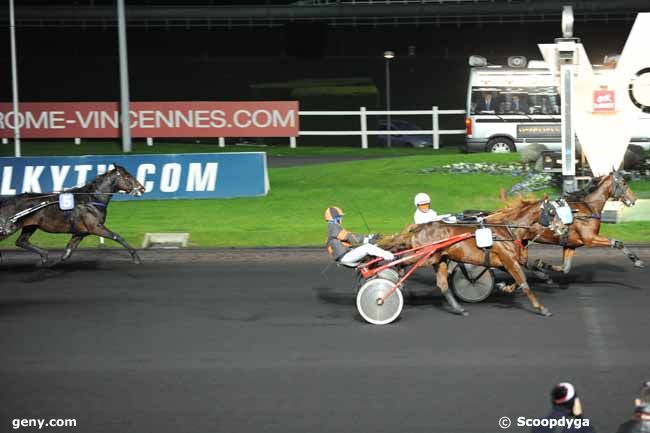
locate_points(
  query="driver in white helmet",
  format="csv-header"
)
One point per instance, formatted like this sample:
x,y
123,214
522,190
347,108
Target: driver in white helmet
x,y
423,212
349,248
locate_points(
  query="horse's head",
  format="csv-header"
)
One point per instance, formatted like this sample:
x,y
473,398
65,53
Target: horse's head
x,y
549,217
620,190
124,181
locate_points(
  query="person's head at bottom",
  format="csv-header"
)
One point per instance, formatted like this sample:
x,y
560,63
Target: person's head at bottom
x,y
642,403
564,395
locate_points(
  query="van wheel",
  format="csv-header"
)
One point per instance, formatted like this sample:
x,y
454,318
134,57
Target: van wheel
x,y
501,145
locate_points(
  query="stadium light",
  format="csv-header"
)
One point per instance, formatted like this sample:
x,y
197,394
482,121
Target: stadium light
x,y
388,55
14,78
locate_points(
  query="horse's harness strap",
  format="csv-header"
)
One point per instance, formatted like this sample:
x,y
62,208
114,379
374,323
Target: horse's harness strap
x,y
589,217
27,211
486,257
594,215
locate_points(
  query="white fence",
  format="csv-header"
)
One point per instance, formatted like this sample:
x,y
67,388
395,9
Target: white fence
x,y
363,131
363,124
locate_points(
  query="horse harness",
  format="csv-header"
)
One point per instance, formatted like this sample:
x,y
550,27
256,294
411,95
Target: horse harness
x,y
7,224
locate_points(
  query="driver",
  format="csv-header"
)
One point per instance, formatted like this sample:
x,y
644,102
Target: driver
x,y
349,248
423,212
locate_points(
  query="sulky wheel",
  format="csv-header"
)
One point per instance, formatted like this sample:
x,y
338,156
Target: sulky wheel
x,y
389,274
472,283
373,311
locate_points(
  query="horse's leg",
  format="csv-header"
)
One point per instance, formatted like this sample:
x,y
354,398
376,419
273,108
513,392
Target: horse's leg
x,y
568,254
630,255
538,272
4,235
509,288
601,241
443,285
23,242
74,242
101,230
513,268
540,266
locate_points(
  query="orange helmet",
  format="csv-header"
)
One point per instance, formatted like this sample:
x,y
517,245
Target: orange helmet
x,y
331,213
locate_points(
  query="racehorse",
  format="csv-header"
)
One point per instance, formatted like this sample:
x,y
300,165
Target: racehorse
x,y
523,220
587,206
85,218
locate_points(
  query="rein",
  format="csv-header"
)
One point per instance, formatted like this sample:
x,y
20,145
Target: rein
x,y
79,193
487,225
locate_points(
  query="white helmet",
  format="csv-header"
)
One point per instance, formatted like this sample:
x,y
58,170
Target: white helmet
x,y
422,198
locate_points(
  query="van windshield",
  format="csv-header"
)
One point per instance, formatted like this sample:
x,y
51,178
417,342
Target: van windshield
x,y
515,100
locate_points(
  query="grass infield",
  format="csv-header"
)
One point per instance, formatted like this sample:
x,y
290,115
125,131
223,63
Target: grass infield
x,y
379,191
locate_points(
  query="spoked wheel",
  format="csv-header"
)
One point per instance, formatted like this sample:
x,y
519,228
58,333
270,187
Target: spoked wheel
x,y
369,305
472,283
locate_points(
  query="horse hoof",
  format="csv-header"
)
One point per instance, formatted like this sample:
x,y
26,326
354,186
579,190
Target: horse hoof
x,y
136,260
549,281
459,312
639,264
545,312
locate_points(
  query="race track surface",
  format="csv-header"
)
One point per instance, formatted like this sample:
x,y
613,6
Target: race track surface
x,y
270,341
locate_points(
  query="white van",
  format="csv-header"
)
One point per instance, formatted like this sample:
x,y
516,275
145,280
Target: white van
x,y
509,108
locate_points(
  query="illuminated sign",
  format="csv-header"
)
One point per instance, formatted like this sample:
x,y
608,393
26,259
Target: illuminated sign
x,y
604,101
152,119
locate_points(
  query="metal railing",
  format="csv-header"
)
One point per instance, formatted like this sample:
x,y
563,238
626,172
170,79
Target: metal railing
x,y
363,131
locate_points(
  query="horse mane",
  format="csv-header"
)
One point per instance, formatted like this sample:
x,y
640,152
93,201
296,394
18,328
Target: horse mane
x,y
93,183
593,185
401,240
518,201
514,204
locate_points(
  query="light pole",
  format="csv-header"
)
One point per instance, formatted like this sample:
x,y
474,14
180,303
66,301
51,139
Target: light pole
x,y
567,47
124,78
14,78
388,55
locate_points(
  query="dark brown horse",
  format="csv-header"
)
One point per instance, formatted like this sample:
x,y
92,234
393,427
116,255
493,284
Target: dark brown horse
x,y
85,218
517,223
587,206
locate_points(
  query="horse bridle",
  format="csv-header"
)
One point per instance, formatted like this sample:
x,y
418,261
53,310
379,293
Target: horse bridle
x,y
619,188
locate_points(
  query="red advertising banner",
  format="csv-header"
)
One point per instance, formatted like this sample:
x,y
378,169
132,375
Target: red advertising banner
x,y
152,119
604,101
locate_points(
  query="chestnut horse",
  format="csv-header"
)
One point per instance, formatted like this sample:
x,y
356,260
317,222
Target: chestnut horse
x,y
86,218
587,206
522,221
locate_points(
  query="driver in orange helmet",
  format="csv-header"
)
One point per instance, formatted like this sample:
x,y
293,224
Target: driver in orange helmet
x,y
349,248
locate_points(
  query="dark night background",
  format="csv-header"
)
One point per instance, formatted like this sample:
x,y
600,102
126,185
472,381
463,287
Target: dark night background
x,y
64,61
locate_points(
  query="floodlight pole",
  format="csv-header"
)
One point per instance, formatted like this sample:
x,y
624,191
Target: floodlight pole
x,y
388,55
14,78
567,48
124,78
